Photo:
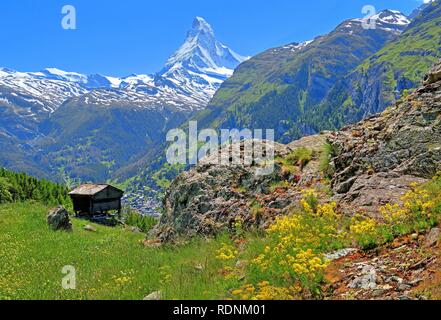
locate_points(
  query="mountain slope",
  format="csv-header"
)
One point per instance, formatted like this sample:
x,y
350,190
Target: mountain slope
x,y
387,75
275,88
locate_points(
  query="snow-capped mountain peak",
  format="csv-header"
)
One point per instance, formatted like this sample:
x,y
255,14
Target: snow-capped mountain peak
x,y
392,21
392,17
202,52
200,26
57,74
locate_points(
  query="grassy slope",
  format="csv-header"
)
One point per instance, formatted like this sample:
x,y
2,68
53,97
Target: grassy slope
x,y
32,256
414,52
113,264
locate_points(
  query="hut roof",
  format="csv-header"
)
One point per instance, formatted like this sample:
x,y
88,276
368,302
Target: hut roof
x,y
91,189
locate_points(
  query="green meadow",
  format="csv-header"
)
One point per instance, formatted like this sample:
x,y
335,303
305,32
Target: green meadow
x,y
111,263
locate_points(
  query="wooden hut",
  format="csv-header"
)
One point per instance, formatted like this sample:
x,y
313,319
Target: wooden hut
x,y
94,199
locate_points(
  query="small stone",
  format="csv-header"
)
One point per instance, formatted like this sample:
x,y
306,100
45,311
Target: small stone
x,y
367,280
339,254
157,295
240,264
135,230
396,279
377,293
58,219
404,287
415,282
89,228
415,236
199,267
433,237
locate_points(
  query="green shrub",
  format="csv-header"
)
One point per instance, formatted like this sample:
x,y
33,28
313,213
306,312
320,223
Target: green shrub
x,y
256,210
280,185
301,157
5,191
326,154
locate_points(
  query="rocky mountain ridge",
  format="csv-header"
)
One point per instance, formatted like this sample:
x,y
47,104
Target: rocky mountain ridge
x,y
374,163
384,154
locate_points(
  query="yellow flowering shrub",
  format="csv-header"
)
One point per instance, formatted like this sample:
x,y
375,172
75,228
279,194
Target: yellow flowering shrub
x,y
231,273
393,213
309,201
363,227
297,242
293,250
227,252
365,231
238,227
263,291
416,212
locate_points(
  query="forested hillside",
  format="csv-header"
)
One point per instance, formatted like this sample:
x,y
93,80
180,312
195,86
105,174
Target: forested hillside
x,y
16,187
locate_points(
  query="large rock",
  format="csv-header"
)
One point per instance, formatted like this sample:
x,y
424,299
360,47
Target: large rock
x,y
377,159
368,192
210,198
434,75
433,238
58,219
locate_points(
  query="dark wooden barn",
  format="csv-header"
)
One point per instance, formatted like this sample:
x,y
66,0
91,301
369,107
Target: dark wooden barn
x,y
94,199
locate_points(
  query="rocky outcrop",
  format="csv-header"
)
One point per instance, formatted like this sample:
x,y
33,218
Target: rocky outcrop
x,y
58,219
377,159
433,76
210,198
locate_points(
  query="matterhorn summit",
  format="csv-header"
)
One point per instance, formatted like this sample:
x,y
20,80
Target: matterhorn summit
x,y
203,54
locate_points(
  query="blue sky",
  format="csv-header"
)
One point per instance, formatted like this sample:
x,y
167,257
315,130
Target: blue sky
x,y
137,36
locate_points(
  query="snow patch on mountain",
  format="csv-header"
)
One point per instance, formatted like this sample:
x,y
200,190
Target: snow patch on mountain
x,y
388,20
392,17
